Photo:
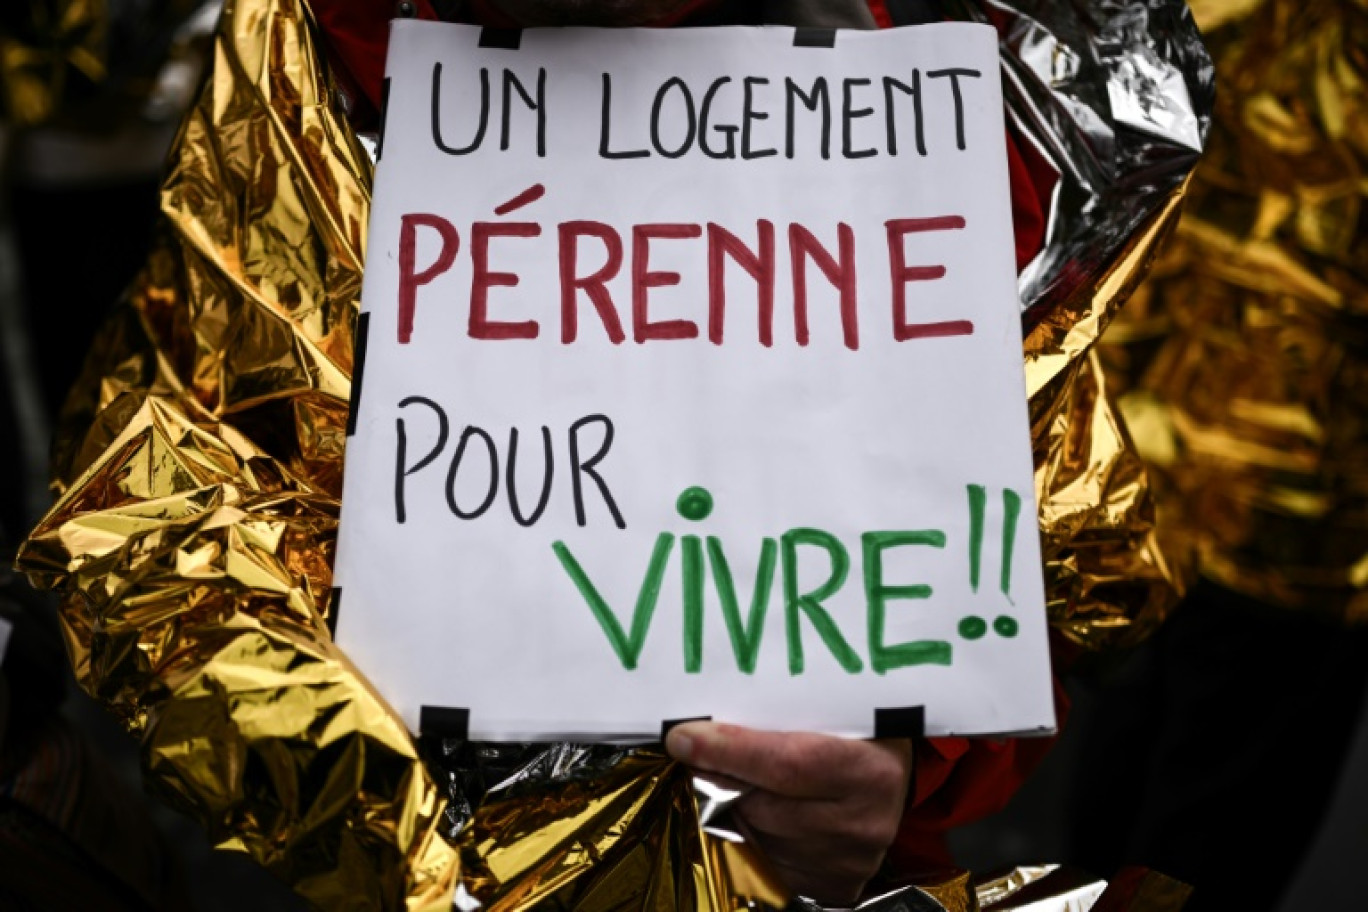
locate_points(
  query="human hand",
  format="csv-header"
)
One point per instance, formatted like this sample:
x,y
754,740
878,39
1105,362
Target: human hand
x,y
824,810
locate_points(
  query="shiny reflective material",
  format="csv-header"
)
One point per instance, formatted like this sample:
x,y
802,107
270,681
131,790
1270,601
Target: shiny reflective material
x,y
596,827
1002,887
199,468
1029,888
1115,96
1244,361
1041,888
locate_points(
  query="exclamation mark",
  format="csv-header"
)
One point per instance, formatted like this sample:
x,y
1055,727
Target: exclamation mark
x,y
973,627
978,500
1011,510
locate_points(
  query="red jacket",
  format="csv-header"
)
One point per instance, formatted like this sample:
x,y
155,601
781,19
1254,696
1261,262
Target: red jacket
x,y
955,780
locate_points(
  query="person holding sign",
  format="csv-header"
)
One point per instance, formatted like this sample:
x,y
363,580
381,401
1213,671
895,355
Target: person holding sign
x,y
202,466
829,811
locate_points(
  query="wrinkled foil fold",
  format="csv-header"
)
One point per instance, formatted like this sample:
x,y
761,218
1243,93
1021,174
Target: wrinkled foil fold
x,y
1243,364
198,472
1030,888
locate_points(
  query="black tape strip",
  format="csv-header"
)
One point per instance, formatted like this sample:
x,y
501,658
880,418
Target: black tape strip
x,y
358,370
814,38
671,723
900,722
444,722
914,12
384,108
504,39
334,606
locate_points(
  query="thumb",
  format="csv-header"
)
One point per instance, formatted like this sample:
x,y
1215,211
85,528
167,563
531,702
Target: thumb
x,y
684,740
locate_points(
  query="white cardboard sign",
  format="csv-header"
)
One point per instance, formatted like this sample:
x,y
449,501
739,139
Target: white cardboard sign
x,y
693,386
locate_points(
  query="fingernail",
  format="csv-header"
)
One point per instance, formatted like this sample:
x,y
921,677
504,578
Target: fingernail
x,y
679,745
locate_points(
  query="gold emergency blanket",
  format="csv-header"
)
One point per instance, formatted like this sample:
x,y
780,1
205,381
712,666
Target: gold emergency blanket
x,y
1029,888
199,470
1245,359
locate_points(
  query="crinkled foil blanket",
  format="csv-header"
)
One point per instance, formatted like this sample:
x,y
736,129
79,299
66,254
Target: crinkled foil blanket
x,y
199,470
1244,363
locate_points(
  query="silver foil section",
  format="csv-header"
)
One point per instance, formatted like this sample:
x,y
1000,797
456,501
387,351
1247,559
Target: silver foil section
x,y
1117,97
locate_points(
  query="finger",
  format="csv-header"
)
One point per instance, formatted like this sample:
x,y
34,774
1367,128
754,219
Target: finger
x,y
797,764
855,825
820,870
779,815
900,751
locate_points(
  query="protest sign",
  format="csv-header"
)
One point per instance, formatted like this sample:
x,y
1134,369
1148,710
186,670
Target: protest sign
x,y
689,384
